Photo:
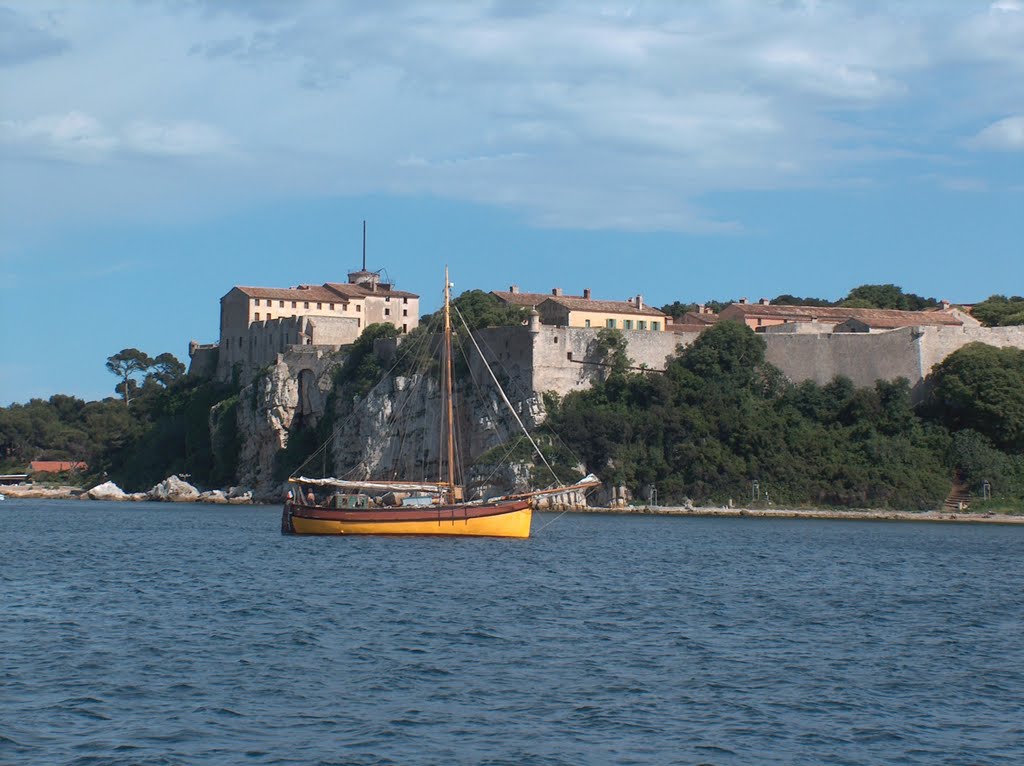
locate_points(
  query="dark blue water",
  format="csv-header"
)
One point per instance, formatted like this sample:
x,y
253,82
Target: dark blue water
x,y
163,634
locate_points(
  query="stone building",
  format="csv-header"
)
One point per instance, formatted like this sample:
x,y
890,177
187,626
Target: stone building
x,y
563,310
258,323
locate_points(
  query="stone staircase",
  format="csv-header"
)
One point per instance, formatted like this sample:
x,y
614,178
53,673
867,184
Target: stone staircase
x,y
959,497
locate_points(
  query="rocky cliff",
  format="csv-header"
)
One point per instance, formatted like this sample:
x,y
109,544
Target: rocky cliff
x,y
395,431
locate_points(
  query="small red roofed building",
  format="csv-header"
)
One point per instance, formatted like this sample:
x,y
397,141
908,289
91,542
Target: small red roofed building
x,y
55,466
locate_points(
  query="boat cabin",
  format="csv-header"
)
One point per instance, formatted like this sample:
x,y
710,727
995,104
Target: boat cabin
x,y
349,502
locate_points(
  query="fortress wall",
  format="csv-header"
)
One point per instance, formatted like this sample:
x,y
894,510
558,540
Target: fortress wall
x,y
332,331
939,342
861,357
565,359
203,360
509,351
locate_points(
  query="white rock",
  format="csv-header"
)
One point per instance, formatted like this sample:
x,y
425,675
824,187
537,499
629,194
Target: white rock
x,y
106,491
215,496
174,490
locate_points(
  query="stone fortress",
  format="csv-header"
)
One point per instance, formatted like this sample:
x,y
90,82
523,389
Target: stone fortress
x,y
283,345
303,328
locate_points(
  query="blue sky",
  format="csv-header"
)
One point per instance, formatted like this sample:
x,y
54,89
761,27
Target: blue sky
x,y
155,153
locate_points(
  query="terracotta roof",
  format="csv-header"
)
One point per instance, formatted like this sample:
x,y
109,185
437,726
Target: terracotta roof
x,y
838,314
358,291
55,466
304,293
674,327
331,292
527,299
694,317
607,307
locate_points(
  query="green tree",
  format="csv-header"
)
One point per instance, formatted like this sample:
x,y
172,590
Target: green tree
x,y
887,296
166,370
1000,311
127,363
981,387
611,347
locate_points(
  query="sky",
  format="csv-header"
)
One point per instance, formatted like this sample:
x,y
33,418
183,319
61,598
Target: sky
x,y
155,153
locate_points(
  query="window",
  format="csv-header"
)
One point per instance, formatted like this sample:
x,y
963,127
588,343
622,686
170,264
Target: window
x,y
294,304
256,301
586,323
268,316
405,328
280,304
405,300
319,306
257,316
627,324
387,299
359,323
332,307
568,355
609,323
555,340
405,312
641,324
305,304
358,308
655,325
387,312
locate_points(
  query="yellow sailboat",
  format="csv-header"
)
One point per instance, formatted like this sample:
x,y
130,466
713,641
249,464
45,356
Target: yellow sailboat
x,y
417,508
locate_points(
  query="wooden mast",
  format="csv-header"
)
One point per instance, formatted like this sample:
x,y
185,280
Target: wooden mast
x,y
449,388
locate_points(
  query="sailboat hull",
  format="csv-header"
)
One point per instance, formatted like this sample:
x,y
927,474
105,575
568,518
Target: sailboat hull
x,y
507,519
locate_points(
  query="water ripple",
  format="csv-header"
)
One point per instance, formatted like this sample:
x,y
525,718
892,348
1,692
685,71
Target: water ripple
x,y
156,634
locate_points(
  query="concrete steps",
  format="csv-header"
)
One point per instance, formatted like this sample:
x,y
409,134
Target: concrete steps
x,y
959,497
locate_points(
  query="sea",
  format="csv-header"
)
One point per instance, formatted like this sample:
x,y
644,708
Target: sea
x,y
184,634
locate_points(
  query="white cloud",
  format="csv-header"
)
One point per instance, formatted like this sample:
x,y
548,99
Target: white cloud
x,y
73,136
1005,135
621,113
180,139
80,137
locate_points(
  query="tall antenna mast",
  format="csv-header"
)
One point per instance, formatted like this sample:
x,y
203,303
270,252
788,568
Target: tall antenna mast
x,y
364,244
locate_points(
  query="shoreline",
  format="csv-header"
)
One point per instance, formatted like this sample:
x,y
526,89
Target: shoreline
x,y
815,513
962,517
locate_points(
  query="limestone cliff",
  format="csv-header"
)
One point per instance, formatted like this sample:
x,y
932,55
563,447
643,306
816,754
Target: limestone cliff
x,y
289,394
392,432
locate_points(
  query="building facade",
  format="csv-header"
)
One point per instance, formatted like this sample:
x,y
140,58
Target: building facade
x,y
258,323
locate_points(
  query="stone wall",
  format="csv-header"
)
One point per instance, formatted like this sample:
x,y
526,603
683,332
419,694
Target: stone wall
x,y
909,352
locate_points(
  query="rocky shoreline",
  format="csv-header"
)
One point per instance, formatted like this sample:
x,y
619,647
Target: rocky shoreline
x,y
175,490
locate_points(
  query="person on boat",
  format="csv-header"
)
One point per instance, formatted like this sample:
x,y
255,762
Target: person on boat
x,y
289,497
310,497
